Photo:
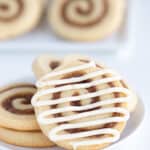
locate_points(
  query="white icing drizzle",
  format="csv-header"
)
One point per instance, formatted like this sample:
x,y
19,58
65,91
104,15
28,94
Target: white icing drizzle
x,y
47,84
42,82
76,79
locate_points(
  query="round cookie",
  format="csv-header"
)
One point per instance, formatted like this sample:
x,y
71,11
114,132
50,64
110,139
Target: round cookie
x,y
18,124
16,111
45,64
82,105
18,17
86,20
27,139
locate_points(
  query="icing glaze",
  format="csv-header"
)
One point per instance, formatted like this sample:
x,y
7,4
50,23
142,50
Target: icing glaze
x,y
73,84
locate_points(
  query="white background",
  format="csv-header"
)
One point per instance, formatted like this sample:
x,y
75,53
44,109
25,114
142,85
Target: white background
x,y
136,69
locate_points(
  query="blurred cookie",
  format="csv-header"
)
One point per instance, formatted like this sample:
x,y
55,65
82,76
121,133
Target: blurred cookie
x,y
18,17
86,20
24,138
82,105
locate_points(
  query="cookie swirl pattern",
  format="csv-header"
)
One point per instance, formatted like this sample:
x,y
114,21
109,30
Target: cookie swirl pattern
x,y
10,10
15,104
86,20
84,8
76,97
17,17
19,102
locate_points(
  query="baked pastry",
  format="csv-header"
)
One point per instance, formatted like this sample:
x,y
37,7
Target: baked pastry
x,y
18,124
16,111
45,64
18,17
82,105
86,20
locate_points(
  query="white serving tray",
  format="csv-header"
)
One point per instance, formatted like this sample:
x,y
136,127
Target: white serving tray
x,y
43,39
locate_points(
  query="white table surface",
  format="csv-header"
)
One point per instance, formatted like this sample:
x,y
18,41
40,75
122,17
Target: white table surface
x,y
136,69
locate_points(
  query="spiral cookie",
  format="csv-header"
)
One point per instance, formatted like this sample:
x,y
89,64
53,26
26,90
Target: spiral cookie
x,y
18,17
16,111
82,105
27,139
86,20
45,64
18,125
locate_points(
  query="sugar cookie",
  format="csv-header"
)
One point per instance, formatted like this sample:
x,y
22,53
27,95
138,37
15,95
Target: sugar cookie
x,y
82,105
86,20
46,63
18,17
18,124
16,111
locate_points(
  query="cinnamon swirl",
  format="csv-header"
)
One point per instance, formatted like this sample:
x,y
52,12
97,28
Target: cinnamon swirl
x,y
18,124
18,17
86,20
16,111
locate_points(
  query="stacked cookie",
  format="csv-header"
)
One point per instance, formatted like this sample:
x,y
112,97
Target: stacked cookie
x,y
79,104
18,124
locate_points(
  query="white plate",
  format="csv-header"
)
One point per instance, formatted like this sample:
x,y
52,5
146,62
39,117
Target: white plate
x,y
134,122
43,39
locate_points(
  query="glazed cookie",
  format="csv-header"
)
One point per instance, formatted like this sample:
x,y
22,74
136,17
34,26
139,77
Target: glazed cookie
x,y
27,139
82,105
16,111
86,20
18,17
131,104
45,64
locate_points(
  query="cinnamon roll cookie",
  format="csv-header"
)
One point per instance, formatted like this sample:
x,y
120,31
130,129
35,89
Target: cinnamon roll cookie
x,y
16,111
18,17
86,20
47,63
18,124
82,105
